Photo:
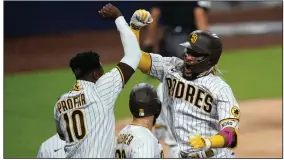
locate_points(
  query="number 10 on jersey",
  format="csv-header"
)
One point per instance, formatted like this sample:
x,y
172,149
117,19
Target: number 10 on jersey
x,y
75,125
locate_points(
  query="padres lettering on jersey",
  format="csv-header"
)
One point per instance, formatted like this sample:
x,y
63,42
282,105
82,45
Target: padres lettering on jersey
x,y
198,107
195,95
137,142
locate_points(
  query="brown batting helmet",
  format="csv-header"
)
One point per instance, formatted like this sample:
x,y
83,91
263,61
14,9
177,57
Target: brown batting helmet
x,y
143,101
203,43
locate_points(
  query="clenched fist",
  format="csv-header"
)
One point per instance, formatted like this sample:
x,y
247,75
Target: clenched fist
x,y
198,142
140,18
110,11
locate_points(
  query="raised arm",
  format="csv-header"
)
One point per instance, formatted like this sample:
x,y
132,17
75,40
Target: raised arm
x,y
201,14
132,55
110,84
153,64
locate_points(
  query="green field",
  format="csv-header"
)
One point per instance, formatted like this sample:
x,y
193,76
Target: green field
x,y
29,98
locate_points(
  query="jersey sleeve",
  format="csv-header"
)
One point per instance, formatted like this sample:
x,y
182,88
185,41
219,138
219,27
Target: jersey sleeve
x,y
145,149
110,84
160,129
227,108
160,92
160,65
42,153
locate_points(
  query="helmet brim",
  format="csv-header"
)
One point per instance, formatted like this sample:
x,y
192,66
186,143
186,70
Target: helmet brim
x,y
185,44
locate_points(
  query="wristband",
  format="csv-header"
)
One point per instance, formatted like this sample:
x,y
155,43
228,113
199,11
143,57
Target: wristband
x,y
229,135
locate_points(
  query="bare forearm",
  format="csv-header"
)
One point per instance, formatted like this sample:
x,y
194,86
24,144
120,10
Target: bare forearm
x,y
201,19
152,28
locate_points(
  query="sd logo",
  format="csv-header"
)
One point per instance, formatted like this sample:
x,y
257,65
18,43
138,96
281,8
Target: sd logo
x,y
193,38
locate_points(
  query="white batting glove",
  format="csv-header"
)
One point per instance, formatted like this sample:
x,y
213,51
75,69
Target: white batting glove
x,y
140,18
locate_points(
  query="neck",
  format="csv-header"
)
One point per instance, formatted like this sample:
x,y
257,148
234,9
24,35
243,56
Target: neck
x,y
88,79
146,122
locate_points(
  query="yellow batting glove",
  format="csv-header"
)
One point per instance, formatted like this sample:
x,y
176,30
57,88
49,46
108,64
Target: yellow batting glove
x,y
198,142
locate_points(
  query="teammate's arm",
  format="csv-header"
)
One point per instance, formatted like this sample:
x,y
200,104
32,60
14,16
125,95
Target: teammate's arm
x,y
151,31
41,152
153,64
110,84
59,131
132,55
201,14
57,124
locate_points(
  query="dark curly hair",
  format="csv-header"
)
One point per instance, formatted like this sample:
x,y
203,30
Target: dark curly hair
x,y
84,62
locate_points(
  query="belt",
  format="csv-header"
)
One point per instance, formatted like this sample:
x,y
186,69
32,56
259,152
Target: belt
x,y
208,154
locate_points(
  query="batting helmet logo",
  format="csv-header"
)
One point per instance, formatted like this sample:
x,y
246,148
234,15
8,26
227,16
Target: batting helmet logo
x,y
141,112
193,38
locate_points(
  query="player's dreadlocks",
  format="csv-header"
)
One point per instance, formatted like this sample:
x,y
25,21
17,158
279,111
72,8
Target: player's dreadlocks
x,y
84,62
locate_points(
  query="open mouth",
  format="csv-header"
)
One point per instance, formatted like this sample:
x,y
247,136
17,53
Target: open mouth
x,y
187,66
187,69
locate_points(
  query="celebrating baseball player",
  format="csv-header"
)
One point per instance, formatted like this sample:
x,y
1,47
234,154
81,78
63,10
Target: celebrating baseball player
x,y
202,111
53,147
136,139
85,115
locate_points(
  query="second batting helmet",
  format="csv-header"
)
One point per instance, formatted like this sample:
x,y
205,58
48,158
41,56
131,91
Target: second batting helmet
x,y
203,43
143,101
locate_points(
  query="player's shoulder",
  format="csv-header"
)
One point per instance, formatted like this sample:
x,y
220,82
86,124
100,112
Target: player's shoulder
x,y
168,62
139,133
109,75
145,135
67,95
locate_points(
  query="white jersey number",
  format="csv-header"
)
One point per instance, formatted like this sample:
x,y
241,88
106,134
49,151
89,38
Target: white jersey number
x,y
77,118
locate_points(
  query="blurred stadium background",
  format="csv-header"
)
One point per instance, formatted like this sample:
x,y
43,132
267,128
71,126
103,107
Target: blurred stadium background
x,y
40,38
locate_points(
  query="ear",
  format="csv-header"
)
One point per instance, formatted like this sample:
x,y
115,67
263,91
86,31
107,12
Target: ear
x,y
96,75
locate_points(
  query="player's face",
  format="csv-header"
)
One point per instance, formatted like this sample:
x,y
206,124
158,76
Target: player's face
x,y
191,58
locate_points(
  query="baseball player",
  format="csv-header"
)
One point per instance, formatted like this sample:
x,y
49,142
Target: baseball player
x,y
202,111
136,139
162,129
53,147
85,115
